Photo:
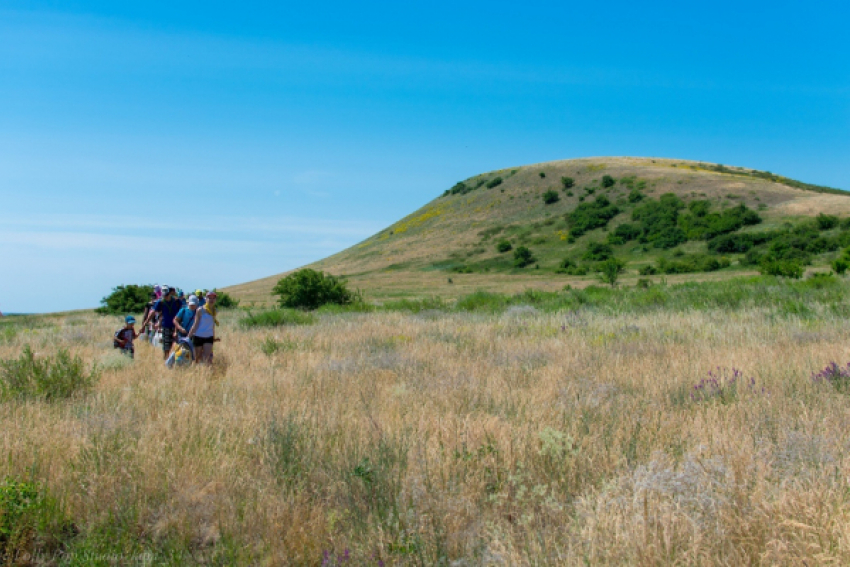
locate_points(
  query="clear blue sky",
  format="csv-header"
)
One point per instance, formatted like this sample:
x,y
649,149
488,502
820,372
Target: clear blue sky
x,y
211,143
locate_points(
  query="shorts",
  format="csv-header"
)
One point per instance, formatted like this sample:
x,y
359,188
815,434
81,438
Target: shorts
x,y
131,352
200,341
167,338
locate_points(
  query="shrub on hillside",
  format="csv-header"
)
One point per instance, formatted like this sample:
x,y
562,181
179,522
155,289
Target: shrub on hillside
x,y
840,265
598,252
504,246
568,182
658,221
47,378
588,216
542,175
687,264
495,182
608,181
523,257
635,196
826,222
701,224
310,289
550,197
125,299
225,301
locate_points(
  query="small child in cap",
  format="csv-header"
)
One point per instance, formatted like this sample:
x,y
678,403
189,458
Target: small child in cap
x,y
125,337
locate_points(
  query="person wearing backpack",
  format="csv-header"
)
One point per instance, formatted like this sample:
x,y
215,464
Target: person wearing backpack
x,y
125,336
167,308
148,328
203,330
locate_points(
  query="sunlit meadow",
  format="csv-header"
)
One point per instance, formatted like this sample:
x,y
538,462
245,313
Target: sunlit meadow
x,y
522,437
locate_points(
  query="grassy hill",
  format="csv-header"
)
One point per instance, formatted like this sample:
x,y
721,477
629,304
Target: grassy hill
x,y
596,207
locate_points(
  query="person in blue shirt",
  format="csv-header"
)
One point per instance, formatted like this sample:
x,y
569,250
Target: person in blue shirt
x,y
186,317
167,307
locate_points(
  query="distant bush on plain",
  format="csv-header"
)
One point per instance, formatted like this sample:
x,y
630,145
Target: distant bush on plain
x,y
125,299
310,289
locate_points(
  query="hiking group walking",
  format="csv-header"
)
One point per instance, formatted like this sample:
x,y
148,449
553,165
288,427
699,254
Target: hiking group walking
x,y
184,325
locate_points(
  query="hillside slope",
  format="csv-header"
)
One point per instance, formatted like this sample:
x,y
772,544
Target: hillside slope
x,y
455,236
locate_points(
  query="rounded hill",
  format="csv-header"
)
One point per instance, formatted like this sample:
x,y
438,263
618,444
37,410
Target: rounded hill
x,y
551,224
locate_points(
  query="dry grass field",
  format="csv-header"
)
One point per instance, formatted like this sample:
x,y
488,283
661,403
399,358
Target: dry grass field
x,y
444,438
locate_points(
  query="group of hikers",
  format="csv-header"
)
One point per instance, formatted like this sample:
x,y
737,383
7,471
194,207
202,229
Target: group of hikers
x,y
173,319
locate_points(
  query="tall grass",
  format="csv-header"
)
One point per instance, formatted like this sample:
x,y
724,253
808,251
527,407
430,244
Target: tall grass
x,y
504,430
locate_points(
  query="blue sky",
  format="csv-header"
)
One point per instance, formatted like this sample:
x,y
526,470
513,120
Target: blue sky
x,y
210,143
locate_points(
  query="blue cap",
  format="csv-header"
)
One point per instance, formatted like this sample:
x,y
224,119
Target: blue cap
x,y
130,319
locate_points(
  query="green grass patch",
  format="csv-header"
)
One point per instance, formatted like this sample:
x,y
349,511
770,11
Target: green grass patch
x,y
278,318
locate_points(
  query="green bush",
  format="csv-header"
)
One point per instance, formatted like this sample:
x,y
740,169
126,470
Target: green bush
x,y
840,266
542,174
226,301
658,221
568,182
647,270
826,222
589,216
125,299
495,182
278,318
608,181
18,501
686,264
48,378
783,268
598,252
611,270
550,197
635,196
504,246
310,289
523,257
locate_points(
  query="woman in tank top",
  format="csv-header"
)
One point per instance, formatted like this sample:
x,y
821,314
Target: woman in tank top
x,y
203,331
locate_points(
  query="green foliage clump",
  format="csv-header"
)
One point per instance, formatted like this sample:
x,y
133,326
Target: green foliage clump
x,y
598,252
840,265
783,268
588,216
550,197
310,289
278,318
47,378
687,264
611,270
826,222
635,196
20,503
568,182
226,301
125,299
658,221
542,174
495,182
523,257
568,266
624,233
504,246
608,181
647,270
701,224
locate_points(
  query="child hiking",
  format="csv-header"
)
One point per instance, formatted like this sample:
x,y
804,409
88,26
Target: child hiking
x,y
124,337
